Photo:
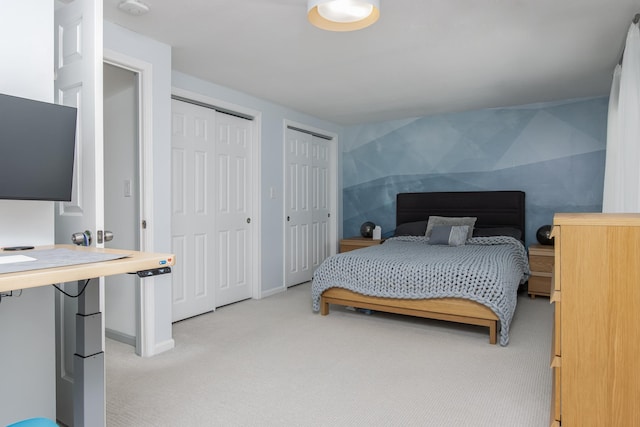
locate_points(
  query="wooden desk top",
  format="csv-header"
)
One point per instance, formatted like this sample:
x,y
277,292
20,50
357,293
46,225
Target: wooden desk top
x,y
135,261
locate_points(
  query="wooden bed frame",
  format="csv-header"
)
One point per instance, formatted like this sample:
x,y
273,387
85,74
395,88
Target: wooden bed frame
x,y
492,208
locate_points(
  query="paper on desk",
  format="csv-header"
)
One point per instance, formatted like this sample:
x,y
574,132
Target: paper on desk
x,y
10,259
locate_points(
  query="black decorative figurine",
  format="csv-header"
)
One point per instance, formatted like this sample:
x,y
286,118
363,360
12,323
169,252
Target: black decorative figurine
x,y
544,235
366,229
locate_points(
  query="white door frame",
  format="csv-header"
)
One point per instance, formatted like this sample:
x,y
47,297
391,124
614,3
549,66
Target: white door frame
x,y
256,118
332,138
145,293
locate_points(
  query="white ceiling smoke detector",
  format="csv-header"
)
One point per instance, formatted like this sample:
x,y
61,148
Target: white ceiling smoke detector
x,y
133,7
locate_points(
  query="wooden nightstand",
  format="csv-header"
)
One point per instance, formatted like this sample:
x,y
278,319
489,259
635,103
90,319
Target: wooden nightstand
x,y
351,243
541,259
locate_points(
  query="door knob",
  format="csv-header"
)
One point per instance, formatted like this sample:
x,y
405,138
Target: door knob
x,y
248,220
104,236
81,238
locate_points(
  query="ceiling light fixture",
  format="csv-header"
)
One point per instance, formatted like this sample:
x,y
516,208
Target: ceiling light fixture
x,y
343,15
133,7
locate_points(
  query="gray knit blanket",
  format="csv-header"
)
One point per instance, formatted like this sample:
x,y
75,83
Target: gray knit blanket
x,y
487,270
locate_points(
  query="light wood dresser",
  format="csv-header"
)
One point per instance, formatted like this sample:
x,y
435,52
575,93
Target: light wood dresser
x,y
596,342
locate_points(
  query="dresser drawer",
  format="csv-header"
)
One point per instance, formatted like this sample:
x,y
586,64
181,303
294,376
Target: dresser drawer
x,y
555,397
540,264
556,360
556,327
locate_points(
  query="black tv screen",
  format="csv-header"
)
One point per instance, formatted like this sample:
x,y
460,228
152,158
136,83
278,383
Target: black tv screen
x,y
37,148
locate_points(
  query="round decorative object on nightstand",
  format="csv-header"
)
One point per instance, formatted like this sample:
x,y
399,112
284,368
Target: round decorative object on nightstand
x,y
366,229
544,235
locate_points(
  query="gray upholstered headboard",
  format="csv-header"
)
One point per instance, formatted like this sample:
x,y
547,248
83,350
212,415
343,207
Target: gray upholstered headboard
x,y
492,208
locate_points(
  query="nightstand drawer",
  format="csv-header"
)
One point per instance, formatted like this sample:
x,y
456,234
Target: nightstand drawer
x,y
539,285
353,243
541,264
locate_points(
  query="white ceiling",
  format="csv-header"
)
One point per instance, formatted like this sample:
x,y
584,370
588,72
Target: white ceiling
x,y
422,57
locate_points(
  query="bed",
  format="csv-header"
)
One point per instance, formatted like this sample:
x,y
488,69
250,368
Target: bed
x,y
378,277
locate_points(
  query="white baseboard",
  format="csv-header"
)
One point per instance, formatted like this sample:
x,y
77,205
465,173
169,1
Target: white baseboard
x,y
120,337
163,346
274,291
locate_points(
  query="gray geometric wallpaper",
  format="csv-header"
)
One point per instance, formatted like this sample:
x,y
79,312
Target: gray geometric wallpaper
x,y
555,152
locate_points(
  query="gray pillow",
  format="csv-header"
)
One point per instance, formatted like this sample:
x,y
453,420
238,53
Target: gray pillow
x,y
497,231
452,235
416,228
445,220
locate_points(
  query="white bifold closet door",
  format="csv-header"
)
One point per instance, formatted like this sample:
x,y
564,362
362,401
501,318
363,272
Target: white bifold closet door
x,y
308,195
211,209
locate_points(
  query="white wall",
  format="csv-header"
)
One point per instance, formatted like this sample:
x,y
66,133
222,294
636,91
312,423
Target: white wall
x,y
27,334
272,167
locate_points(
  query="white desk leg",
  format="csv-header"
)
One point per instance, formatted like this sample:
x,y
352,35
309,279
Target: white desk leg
x,y
88,382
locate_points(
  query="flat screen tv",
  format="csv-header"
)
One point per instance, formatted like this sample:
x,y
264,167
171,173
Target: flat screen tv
x,y
37,149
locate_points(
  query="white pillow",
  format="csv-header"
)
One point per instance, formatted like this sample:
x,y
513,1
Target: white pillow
x,y
446,220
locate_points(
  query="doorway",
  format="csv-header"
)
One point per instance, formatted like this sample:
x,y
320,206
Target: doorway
x,y
128,174
121,195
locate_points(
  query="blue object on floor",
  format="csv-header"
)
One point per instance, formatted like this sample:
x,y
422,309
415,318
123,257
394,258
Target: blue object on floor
x,y
34,422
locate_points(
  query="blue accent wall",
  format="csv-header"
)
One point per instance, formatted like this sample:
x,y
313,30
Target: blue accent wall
x,y
555,152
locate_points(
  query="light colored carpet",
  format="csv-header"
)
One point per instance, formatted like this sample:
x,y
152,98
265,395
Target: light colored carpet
x,y
273,362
